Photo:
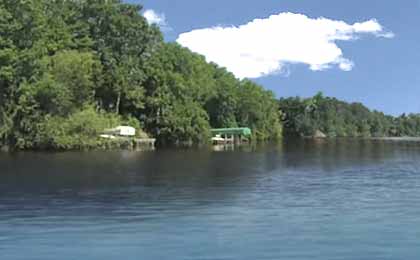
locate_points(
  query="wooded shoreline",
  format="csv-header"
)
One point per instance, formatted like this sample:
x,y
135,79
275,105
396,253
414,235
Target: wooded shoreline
x,y
70,69
321,116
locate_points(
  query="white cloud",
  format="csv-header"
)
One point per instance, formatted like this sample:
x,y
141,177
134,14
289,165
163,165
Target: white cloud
x,y
153,17
266,46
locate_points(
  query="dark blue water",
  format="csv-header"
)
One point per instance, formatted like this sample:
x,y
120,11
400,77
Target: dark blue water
x,y
298,200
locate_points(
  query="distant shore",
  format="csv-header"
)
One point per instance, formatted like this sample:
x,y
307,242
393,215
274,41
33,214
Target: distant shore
x,y
410,139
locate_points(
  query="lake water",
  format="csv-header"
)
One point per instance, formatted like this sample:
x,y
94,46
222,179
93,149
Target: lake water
x,y
354,199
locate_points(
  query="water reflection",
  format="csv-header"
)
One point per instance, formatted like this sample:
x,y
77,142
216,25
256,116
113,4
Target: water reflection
x,y
54,172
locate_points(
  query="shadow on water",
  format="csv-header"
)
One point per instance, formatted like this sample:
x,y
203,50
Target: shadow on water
x,y
54,172
104,181
99,182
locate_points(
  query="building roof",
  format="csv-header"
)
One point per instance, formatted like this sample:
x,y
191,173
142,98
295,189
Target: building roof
x,y
232,131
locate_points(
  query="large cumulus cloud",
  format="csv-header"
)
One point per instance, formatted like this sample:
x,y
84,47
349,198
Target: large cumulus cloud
x,y
265,46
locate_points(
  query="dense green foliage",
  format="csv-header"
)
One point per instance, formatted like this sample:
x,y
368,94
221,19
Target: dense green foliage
x,y
335,118
70,68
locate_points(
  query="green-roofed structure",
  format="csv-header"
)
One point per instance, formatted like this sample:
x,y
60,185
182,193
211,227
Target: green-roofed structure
x,y
236,135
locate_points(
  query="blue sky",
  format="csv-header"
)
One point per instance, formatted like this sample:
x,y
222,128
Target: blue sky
x,y
386,71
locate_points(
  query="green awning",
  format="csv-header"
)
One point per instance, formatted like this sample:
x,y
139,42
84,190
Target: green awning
x,y
245,131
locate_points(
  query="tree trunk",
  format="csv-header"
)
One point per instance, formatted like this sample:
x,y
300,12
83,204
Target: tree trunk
x,y
117,104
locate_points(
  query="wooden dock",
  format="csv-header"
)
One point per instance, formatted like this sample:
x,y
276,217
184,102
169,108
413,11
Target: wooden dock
x,y
131,143
145,143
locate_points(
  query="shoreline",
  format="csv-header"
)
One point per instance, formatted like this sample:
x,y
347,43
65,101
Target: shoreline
x,y
128,147
396,139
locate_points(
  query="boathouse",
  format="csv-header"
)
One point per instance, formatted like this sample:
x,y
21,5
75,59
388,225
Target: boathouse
x,y
127,137
231,135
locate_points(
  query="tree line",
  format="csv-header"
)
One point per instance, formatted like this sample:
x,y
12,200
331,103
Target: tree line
x,y
71,68
335,118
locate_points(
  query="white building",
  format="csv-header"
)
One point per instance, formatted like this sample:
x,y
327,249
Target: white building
x,y
121,131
